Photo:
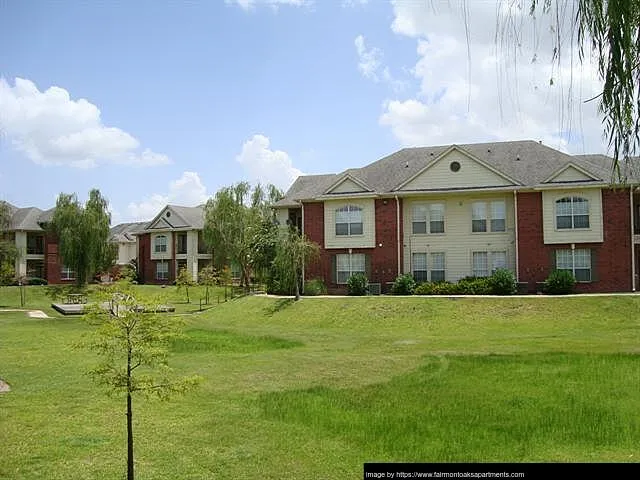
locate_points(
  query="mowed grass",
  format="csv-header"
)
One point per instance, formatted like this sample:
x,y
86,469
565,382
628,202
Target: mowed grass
x,y
313,389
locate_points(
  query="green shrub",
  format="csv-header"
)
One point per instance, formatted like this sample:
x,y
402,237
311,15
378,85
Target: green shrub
x,y
358,284
404,285
436,288
559,282
503,282
315,287
474,286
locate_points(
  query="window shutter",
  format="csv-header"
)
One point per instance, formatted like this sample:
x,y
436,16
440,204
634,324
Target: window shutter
x,y
594,265
334,269
367,266
552,260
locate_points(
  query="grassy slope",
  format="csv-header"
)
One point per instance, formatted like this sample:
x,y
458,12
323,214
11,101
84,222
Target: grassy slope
x,y
313,389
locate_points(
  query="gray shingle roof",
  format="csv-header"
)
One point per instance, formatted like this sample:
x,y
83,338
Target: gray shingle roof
x,y
124,232
528,163
184,218
26,219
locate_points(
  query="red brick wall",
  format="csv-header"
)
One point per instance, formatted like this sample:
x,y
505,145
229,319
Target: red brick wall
x,y
613,255
383,258
147,266
52,263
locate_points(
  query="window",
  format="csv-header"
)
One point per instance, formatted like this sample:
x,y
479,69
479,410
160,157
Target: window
x,y
419,267
437,267
160,244
480,264
577,261
428,214
348,264
349,220
67,273
181,246
479,217
572,212
162,271
498,216
483,260
35,244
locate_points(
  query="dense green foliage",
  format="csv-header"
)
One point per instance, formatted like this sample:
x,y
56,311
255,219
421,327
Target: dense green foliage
x,y
559,282
404,285
293,252
8,251
83,234
315,287
358,284
503,282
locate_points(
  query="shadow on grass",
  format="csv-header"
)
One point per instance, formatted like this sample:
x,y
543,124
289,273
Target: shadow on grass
x,y
278,306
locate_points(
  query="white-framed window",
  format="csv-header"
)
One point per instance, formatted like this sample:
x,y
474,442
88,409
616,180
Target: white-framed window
x,y
419,267
349,220
347,264
162,270
488,217
437,267
427,218
67,273
572,212
480,264
485,263
160,244
577,261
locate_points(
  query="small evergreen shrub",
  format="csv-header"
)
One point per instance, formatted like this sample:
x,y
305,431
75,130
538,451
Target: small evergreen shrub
x,y
315,287
559,282
503,282
358,284
474,286
436,288
404,285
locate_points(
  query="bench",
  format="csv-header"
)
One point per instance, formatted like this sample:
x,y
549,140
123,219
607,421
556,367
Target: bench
x,y
76,298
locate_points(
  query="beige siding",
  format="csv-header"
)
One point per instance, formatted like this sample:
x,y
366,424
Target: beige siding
x,y
282,215
21,260
347,186
570,174
458,242
162,255
127,251
368,237
582,235
471,174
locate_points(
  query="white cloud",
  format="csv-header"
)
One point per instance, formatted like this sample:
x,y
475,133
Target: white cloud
x,y
472,88
187,191
248,5
50,128
371,66
265,165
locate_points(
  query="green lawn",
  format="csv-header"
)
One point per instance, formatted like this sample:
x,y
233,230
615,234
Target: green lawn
x,y
316,388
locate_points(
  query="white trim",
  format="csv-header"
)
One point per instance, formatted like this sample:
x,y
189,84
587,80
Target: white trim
x,y
343,179
566,167
463,152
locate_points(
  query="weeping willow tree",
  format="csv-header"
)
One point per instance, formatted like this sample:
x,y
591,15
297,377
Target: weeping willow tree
x,y
293,252
609,31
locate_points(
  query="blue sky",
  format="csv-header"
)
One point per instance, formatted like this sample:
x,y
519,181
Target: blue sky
x,y
165,102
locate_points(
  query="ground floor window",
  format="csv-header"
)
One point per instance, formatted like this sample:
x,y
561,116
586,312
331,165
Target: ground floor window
x,y
35,268
347,264
162,271
485,263
577,261
427,267
67,273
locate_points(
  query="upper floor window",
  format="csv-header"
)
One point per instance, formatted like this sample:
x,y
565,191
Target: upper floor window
x,y
572,212
349,220
160,244
181,241
488,216
428,218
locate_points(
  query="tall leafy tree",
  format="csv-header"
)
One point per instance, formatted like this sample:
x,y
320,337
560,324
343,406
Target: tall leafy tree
x,y
232,219
133,345
293,252
8,250
83,233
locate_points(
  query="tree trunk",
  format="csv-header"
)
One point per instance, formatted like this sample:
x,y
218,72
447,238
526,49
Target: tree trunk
x,y
129,438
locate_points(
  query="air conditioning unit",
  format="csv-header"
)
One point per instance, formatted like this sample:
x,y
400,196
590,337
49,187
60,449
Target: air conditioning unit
x,y
375,289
